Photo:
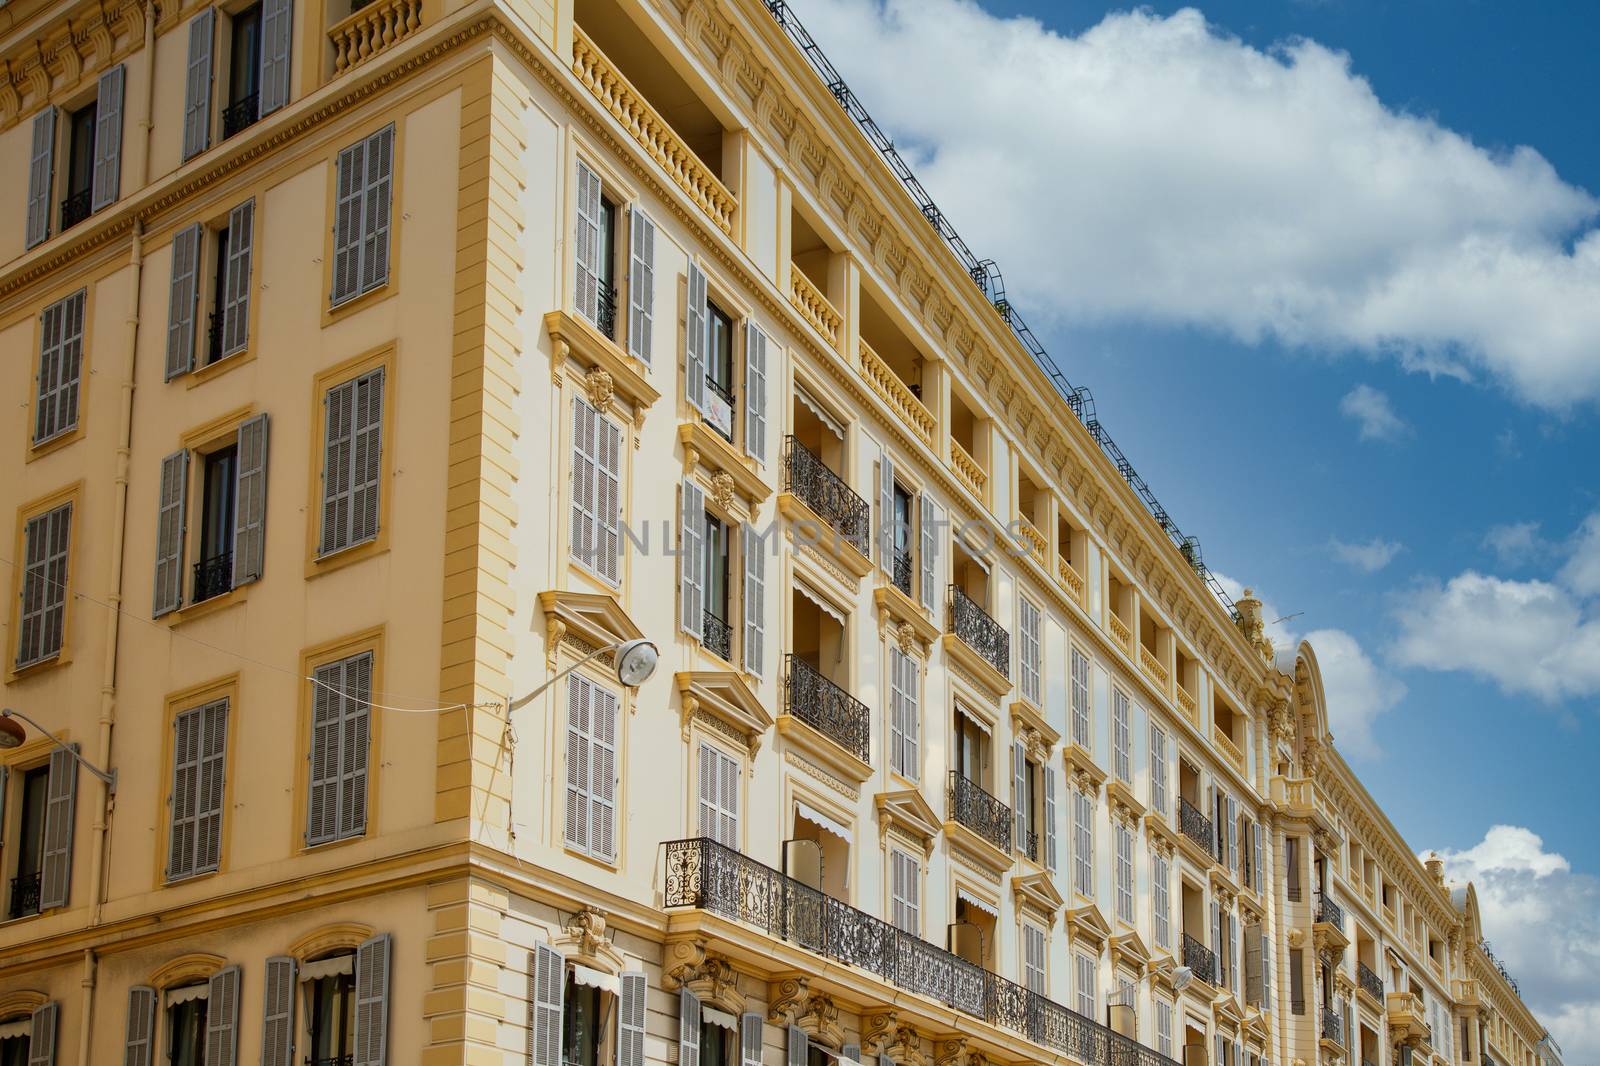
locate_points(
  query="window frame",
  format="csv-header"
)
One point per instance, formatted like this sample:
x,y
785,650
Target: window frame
x,y
624,429
626,199
34,448
69,496
1075,655
618,808
895,659
372,640
325,381
700,738
201,442
177,702
332,312
897,904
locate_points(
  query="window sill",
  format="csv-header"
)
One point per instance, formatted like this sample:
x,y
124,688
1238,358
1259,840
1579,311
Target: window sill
x,y
326,564
218,367
334,312
56,443
609,865
18,673
326,845
207,606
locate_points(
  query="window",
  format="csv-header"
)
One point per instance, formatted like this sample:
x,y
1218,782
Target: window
x,y
186,1025
341,713
905,718
230,516
1121,736
55,412
1029,632
1080,699
596,491
594,246
352,462
1161,900
229,250
14,1044
199,761
1158,770
902,568
718,633
591,768
1124,873
1083,843
905,881
244,71
218,480
709,368
971,748
362,205
42,610
1033,963
1164,1027
585,1037
331,1007
719,796
80,164
30,843
1087,994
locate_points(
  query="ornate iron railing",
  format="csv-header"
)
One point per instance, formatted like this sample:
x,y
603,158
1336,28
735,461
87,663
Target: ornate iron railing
x,y
825,492
606,311
980,812
718,638
1029,845
979,632
24,895
1332,1026
827,708
1370,982
1328,911
76,208
701,873
332,1060
903,571
1193,824
213,576
213,337
1201,959
1500,966
240,115
714,417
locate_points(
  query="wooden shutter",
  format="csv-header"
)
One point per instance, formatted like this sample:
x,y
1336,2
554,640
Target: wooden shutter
x,y
138,1046
584,535
352,461
171,510
366,455
222,1018
586,245
236,278
355,722
1121,735
1080,699
1084,831
755,392
799,1046
362,216
1158,770
603,775
1257,853
60,819
755,600
1231,945
42,1034
897,713
1161,900
213,759
631,1020
1297,982
375,209
728,799
277,29
608,497
1216,940
1049,773
60,367
1032,622
41,176
1254,977
277,1012
1019,793
596,491
692,560
695,338
349,193
544,1006
42,612
930,552
580,700
107,180
197,85
250,502
184,299
886,513
1232,811
641,282
707,778
1125,873
340,734
184,801
689,1021
372,1002
751,1033
910,714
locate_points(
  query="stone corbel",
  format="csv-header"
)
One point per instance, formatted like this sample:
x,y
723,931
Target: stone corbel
x,y
710,977
792,1002
957,1053
884,1034
585,941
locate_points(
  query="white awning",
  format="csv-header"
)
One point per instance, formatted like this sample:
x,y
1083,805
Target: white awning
x,y
588,975
821,601
810,403
713,1016
817,818
21,1027
971,716
329,967
187,993
973,901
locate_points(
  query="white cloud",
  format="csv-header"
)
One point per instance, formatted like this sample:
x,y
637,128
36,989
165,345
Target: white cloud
x,y
1543,920
1154,168
1516,543
1368,558
1581,574
1371,410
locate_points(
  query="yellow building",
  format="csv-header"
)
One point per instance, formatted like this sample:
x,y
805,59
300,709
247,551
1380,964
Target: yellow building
x,y
371,368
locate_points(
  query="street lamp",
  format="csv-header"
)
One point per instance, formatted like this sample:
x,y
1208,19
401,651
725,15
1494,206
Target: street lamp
x,y
634,662
12,735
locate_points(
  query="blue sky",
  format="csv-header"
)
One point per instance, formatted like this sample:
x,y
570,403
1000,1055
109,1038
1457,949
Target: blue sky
x,y
1324,267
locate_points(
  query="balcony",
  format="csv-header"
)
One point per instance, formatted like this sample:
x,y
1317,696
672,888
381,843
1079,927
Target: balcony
x,y
24,895
1406,1016
1332,1026
1033,540
213,576
1119,629
814,307
1186,702
240,115
968,472
896,393
372,28
810,480
1196,827
1072,579
1329,912
1201,959
902,572
658,139
1369,982
1151,665
980,812
1226,745
826,707
76,208
718,639
705,875
973,627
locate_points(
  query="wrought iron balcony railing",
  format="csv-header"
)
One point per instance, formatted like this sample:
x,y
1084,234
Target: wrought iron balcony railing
x,y
1201,959
332,1060
240,115
76,208
1332,1026
1193,824
718,639
1029,845
980,812
213,576
701,873
1328,911
1369,981
827,708
903,571
825,492
979,632
720,408
24,895
606,311
213,337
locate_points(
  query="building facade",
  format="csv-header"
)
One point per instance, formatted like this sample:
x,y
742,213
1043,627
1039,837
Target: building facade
x,y
374,364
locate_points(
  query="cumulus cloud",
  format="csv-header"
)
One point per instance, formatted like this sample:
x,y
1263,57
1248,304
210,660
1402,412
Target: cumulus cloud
x,y
1371,409
1543,920
1368,558
1155,168
1515,543
1582,572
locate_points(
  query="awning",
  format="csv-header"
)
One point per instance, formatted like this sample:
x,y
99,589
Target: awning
x,y
21,1027
713,1016
973,901
810,403
329,967
188,993
821,601
588,975
817,818
971,716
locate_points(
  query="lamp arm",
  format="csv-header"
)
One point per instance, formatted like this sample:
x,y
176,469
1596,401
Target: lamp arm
x,y
110,778
523,701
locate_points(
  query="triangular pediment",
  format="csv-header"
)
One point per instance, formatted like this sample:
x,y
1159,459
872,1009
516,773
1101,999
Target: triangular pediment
x,y
1039,892
596,618
910,812
726,695
1130,950
1225,1008
1087,923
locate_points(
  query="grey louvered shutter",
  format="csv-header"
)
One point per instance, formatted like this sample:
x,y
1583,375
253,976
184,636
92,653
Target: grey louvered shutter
x,y
755,393
580,708
1257,854
851,1052
1158,769
631,1020
337,802
222,1018
755,600
694,340
236,279
1019,792
372,1003
884,1059
277,1012
353,448
909,687
586,245
250,502
355,728
584,524
1232,810
60,820
688,1028
184,299
641,282
349,192
213,752
277,30
751,1033
692,560
108,139
930,551
375,209
41,176
897,713
608,498
799,1046
886,513
603,776
1049,817
1254,977
42,612
197,85
170,513
60,367
42,1034
138,1046
544,1006
184,801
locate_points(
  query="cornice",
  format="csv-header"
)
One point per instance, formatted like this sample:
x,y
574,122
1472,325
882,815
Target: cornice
x,y
72,45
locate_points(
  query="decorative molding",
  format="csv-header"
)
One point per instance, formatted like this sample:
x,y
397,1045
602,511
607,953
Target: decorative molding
x,y
884,1034
710,977
585,940
811,769
725,694
341,936
791,1001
